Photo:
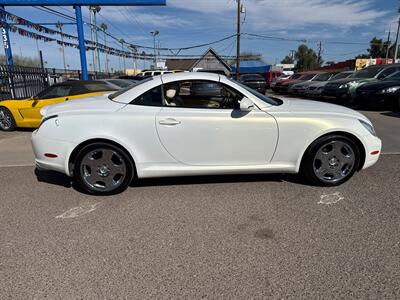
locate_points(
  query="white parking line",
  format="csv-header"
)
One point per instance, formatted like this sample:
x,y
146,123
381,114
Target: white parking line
x,y
17,166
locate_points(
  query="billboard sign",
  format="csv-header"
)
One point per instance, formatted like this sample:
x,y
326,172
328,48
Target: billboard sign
x,y
83,2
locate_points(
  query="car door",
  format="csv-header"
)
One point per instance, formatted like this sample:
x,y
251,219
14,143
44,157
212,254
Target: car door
x,y
52,95
210,130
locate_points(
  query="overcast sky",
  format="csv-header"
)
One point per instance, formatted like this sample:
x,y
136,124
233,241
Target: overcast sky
x,y
187,22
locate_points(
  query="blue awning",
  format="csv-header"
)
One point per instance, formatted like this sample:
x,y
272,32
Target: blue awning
x,y
252,66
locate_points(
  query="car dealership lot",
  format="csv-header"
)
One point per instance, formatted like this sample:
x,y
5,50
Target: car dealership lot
x,y
213,237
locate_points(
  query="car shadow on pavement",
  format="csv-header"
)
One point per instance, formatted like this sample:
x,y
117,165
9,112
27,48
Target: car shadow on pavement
x,y
215,179
59,179
391,114
54,178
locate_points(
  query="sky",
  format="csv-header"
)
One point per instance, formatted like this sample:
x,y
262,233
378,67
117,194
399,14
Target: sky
x,y
184,23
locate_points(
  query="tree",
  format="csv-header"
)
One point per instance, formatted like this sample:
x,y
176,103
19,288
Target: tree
x,y
287,60
377,49
21,61
306,59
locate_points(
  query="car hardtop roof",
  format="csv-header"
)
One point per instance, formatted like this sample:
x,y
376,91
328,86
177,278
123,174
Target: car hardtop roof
x,y
190,76
78,82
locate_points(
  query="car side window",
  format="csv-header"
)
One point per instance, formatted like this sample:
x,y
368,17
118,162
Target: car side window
x,y
54,92
387,72
201,94
152,97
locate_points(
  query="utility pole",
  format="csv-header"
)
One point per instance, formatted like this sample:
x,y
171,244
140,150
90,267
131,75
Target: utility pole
x,y
93,9
239,10
59,26
104,27
154,33
319,53
397,41
122,41
387,47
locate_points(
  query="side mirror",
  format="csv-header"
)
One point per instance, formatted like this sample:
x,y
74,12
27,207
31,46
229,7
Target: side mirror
x,y
246,104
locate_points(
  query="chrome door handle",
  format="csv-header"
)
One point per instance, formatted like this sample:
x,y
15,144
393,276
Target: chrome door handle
x,y
169,122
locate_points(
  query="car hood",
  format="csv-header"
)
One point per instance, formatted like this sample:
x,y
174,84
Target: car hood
x,y
292,82
344,80
99,103
294,105
318,83
304,83
378,85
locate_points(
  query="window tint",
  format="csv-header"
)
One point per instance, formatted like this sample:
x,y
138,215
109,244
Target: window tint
x,y
120,83
322,77
124,90
307,77
152,97
201,94
157,73
387,72
367,72
147,74
54,92
394,76
341,75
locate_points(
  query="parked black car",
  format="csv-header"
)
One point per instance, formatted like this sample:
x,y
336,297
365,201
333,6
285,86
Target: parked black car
x,y
345,89
383,93
254,81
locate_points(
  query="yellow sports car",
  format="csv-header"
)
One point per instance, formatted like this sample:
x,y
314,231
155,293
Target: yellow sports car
x,y
26,113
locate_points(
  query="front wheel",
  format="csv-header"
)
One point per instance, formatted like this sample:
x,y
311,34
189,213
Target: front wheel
x,y
331,160
7,121
103,169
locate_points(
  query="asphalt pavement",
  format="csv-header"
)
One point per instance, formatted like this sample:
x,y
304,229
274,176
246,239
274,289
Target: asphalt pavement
x,y
224,237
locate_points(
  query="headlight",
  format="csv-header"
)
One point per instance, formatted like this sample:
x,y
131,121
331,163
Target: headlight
x,y
389,90
348,85
46,119
368,126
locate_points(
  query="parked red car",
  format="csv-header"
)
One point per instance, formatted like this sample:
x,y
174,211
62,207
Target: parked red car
x,y
270,76
279,83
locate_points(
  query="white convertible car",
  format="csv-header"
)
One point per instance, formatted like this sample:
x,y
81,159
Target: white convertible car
x,y
200,124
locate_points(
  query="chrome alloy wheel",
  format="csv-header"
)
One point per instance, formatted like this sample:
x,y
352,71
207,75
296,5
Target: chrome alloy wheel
x,y
5,119
334,161
103,169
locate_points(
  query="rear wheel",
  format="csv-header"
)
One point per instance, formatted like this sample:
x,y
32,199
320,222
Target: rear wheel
x,y
7,121
331,160
103,169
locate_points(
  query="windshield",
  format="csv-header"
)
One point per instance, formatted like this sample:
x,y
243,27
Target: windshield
x,y
120,82
341,75
295,76
260,96
322,77
366,73
251,77
394,76
122,91
307,77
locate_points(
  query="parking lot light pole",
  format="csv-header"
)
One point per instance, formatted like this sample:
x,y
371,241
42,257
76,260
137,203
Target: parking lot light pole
x,y
239,10
154,33
81,38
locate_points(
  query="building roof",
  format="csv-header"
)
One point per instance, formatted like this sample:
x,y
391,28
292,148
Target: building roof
x,y
180,64
187,64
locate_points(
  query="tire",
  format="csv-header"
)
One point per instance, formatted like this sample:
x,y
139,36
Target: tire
x,y
331,160
396,106
7,121
103,169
